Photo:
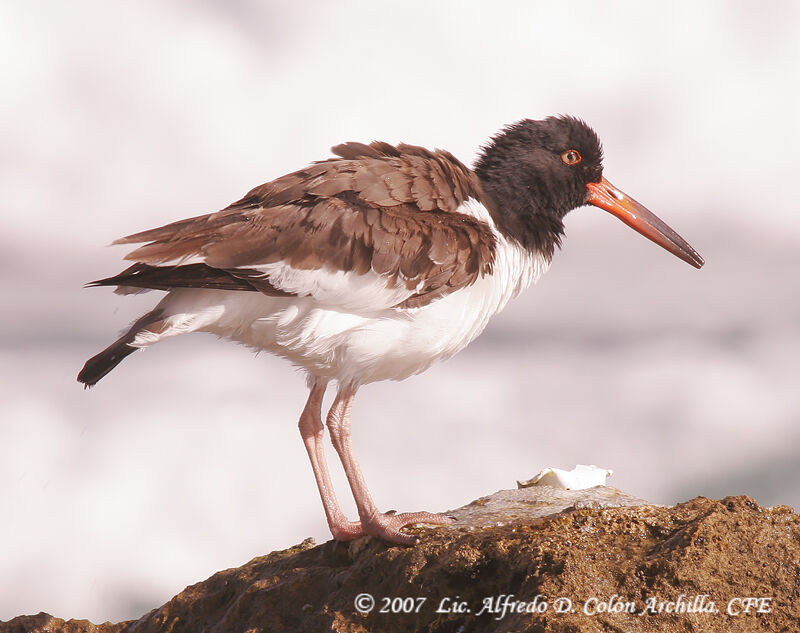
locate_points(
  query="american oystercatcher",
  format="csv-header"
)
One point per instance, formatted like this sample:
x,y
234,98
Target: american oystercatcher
x,y
371,266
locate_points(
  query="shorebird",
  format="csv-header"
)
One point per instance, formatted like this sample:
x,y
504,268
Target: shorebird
x,y
372,266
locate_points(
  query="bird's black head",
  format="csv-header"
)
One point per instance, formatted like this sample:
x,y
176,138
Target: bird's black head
x,y
534,172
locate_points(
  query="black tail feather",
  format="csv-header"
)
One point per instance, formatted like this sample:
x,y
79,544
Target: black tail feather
x,y
191,276
100,364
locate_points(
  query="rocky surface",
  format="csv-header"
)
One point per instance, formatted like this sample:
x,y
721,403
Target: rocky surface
x,y
537,559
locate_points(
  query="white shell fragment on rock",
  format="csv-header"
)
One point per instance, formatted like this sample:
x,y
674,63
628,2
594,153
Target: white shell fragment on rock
x,y
578,478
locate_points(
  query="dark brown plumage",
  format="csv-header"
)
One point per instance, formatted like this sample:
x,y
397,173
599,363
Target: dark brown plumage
x,y
102,363
377,207
190,276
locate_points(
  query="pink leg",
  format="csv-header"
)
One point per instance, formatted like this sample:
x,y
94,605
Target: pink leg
x,y
384,525
312,431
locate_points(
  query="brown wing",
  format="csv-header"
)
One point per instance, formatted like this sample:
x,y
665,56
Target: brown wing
x,y
392,210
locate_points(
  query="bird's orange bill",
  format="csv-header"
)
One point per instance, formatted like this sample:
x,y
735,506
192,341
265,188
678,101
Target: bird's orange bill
x,y
606,196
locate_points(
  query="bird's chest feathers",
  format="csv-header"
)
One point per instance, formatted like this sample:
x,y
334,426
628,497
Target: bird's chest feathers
x,y
408,341
462,315
514,267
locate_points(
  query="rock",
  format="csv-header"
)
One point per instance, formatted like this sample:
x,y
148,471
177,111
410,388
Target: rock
x,y
536,502
46,623
594,554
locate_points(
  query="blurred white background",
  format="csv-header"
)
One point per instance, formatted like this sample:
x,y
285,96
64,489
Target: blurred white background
x,y
121,116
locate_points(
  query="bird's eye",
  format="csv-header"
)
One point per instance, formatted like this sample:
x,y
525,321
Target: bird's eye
x,y
571,157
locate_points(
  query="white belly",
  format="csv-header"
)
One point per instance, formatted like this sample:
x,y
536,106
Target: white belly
x,y
353,346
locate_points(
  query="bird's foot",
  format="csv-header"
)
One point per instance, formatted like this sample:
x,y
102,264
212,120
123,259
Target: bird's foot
x,y
387,526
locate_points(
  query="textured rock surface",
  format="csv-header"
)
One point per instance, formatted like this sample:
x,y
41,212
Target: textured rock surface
x,y
699,554
536,502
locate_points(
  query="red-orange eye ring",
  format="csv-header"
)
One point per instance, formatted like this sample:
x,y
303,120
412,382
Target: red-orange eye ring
x,y
571,157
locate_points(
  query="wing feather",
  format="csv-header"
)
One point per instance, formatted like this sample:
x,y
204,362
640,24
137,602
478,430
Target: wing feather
x,y
380,210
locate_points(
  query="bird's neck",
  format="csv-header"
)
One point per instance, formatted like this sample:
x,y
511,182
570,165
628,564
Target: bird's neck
x,y
520,216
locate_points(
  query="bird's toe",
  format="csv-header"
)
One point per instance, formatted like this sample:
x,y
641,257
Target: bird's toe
x,y
388,526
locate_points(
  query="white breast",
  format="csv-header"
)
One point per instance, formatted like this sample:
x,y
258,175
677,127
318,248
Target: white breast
x,y
351,339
